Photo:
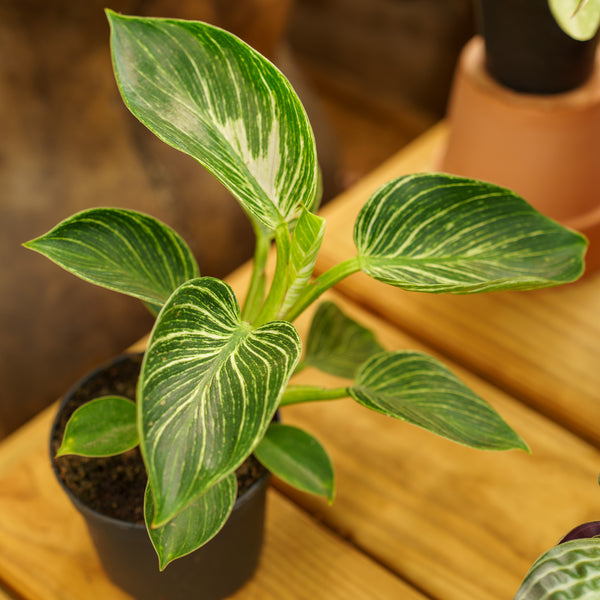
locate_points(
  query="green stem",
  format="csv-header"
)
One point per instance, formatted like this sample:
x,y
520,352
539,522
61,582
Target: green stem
x,y
279,284
320,285
256,289
308,393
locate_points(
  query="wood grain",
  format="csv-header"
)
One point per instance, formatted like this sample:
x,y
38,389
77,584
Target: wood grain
x,y
460,523
46,554
542,346
453,522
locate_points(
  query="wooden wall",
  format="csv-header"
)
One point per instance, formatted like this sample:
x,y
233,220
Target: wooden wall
x,y
402,50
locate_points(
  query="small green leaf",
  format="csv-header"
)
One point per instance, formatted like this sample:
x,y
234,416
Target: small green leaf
x,y
122,250
306,241
297,458
209,387
103,427
207,93
578,18
416,388
442,233
195,525
569,571
337,344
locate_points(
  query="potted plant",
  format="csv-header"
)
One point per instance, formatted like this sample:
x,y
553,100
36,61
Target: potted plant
x,y
216,370
528,51
571,569
524,110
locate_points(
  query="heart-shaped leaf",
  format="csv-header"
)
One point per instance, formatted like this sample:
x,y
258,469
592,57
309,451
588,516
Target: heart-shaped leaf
x,y
306,241
578,18
207,93
195,525
297,458
570,571
103,427
337,344
416,388
208,389
122,250
441,233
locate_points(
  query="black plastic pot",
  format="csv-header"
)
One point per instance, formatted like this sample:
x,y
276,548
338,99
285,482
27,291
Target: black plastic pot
x,y
212,572
527,51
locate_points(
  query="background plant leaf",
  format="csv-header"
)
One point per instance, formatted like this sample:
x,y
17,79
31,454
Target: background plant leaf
x,y
337,344
569,571
195,525
102,427
306,242
218,100
122,250
208,389
578,18
416,388
297,458
441,233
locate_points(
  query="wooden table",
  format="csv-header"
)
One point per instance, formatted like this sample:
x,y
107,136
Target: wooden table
x,y
415,517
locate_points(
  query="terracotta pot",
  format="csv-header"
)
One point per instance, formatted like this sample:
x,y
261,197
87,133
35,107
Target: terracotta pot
x,y
545,148
527,51
212,572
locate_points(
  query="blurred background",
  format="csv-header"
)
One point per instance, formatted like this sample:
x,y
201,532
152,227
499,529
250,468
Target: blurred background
x,y
373,75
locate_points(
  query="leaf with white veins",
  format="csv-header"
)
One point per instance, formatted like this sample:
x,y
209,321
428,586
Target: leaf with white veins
x,y
195,525
209,387
569,571
442,233
207,93
306,241
122,250
418,389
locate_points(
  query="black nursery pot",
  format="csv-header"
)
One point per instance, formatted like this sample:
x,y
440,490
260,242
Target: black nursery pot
x,y
212,572
528,52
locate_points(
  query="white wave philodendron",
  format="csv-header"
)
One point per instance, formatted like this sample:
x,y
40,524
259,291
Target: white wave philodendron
x,y
214,373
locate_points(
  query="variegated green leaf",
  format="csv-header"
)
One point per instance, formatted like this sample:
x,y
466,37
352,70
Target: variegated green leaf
x,y
209,387
195,525
338,344
441,233
569,571
416,388
208,94
297,458
122,250
103,427
578,18
306,241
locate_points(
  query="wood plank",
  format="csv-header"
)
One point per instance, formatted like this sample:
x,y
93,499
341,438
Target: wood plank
x,y
542,346
46,554
462,524
7,595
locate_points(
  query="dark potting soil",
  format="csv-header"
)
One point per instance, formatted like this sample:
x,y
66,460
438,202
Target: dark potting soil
x,y
115,485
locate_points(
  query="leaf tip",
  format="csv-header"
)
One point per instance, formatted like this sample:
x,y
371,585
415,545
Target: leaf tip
x,y
163,562
64,449
31,244
331,495
111,14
